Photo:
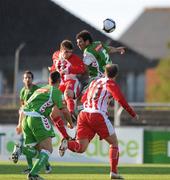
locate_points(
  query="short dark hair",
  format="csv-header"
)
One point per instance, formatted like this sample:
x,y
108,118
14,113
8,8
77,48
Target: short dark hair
x,y
85,35
66,44
111,70
55,77
29,72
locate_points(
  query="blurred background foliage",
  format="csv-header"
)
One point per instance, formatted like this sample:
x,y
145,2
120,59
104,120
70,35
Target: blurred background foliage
x,y
160,90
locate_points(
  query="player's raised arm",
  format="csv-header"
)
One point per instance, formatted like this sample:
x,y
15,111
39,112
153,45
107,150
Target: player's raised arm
x,y
120,49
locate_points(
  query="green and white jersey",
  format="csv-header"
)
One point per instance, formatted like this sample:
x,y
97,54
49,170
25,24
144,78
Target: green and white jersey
x,y
43,99
25,93
96,56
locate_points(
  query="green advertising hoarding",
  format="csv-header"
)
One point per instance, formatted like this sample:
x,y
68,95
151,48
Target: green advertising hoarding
x,y
156,147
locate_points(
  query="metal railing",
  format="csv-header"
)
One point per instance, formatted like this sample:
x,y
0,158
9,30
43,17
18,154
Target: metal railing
x,y
119,109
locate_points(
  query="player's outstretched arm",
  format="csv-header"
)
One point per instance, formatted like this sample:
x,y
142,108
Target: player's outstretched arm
x,y
19,126
120,49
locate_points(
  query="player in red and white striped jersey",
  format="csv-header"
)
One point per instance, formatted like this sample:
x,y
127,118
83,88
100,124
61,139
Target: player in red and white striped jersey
x,y
99,94
93,119
69,66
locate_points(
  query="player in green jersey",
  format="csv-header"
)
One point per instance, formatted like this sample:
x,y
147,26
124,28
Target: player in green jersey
x,y
25,94
37,128
95,53
28,88
95,57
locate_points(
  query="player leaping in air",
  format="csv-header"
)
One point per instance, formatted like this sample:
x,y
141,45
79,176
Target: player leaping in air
x,y
69,66
95,53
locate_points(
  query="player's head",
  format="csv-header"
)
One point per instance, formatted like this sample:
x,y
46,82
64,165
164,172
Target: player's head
x,y
66,48
54,78
111,70
28,78
83,39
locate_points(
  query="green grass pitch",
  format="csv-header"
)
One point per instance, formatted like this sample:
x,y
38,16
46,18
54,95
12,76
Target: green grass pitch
x,y
87,171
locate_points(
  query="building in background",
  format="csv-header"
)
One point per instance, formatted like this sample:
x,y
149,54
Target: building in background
x,y
41,25
150,36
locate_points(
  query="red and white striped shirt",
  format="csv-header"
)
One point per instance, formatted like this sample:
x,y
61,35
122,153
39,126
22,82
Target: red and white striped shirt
x,y
98,95
72,66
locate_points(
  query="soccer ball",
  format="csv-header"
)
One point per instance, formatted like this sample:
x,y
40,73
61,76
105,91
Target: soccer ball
x,y
109,25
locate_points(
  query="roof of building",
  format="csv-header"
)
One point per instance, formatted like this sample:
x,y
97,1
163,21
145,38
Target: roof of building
x,y
42,25
150,33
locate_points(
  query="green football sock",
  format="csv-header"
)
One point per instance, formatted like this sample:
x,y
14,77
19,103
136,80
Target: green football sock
x,y
29,162
29,152
39,163
47,163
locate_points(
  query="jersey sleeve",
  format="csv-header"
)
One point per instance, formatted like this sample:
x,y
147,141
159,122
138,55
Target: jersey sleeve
x,y
21,94
115,91
84,97
88,58
105,46
54,58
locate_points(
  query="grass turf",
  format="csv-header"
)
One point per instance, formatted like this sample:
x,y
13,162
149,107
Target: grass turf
x,y
87,171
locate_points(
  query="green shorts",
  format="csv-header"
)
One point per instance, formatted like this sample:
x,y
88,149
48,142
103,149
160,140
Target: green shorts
x,y
36,129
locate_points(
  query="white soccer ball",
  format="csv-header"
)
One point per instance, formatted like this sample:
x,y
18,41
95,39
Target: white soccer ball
x,y
109,25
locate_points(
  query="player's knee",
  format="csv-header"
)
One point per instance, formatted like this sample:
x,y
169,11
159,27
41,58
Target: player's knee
x,y
48,152
82,150
113,146
48,149
112,140
46,144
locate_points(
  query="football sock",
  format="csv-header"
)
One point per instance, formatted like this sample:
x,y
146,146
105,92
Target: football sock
x,y
29,162
47,164
74,146
59,124
29,152
39,163
113,157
